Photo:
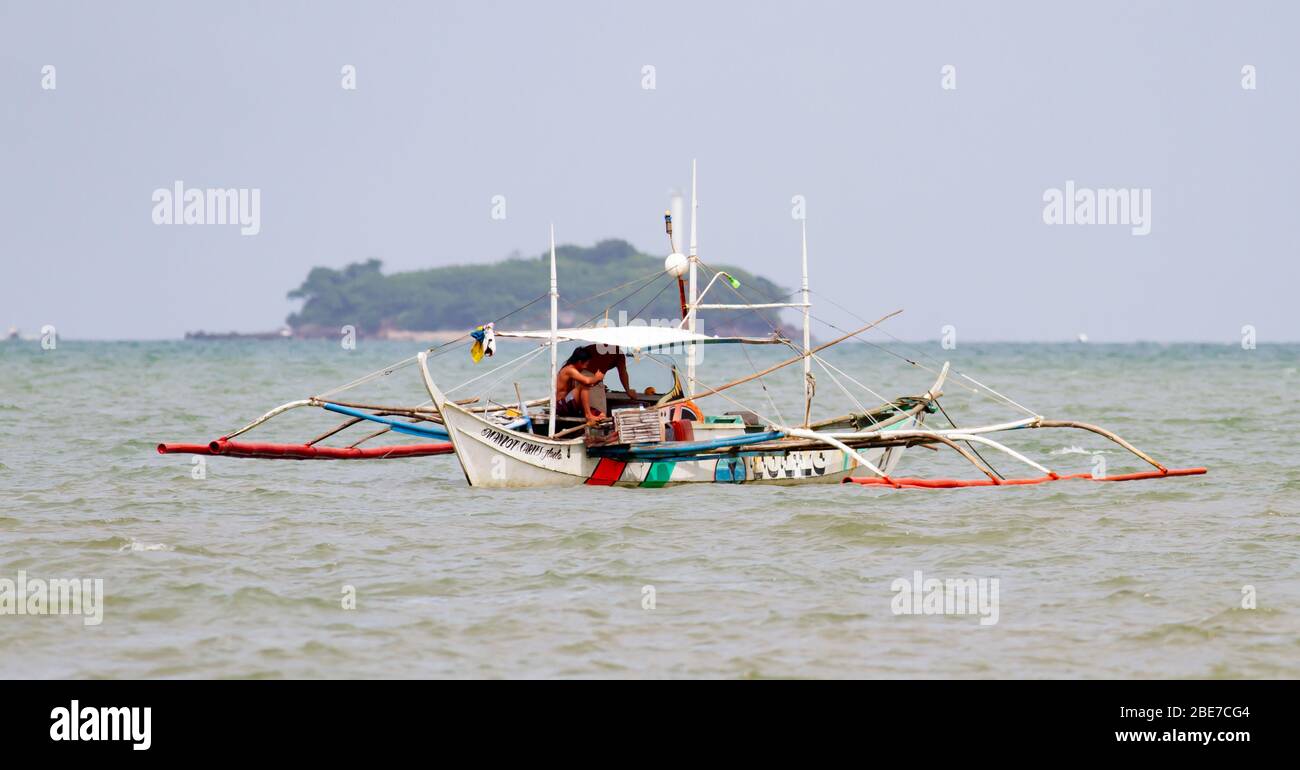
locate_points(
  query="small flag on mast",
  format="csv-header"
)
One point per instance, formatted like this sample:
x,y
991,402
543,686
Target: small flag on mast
x,y
485,342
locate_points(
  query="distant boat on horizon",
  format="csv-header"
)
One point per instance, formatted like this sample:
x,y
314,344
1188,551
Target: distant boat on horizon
x,y
203,336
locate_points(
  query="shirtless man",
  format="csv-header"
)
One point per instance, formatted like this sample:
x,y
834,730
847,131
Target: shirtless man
x,y
573,388
602,362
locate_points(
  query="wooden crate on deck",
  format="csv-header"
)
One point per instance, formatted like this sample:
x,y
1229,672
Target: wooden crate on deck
x,y
638,426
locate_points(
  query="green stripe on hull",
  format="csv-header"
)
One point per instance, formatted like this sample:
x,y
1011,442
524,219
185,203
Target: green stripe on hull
x,y
659,474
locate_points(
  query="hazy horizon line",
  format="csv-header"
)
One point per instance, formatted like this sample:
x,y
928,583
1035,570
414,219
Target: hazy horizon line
x,y
898,340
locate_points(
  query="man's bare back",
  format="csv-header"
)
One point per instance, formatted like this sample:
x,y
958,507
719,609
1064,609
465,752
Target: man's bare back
x,y
602,362
573,387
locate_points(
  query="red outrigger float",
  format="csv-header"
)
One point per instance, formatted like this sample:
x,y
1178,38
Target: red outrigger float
x,y
912,483
265,451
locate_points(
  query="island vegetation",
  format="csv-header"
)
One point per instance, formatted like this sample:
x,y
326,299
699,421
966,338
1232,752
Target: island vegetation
x,y
454,299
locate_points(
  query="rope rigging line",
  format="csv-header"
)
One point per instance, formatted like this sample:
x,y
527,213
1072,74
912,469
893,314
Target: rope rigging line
x,y
443,348
645,282
432,352
836,380
513,362
770,401
767,393
760,415
969,445
776,329
649,282
986,390
647,278
384,372
884,401
657,295
983,390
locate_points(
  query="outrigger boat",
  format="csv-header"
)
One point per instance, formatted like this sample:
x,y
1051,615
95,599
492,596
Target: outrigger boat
x,y
655,441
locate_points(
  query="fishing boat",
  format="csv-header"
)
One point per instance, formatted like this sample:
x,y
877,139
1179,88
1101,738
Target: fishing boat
x,y
652,440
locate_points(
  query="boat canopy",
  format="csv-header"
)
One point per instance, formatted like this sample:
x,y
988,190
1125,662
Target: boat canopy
x,y
637,337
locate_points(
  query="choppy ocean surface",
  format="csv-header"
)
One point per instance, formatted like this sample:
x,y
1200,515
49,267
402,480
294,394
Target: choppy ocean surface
x,y
243,572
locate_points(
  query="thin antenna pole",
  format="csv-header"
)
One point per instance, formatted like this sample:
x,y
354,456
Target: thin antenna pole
x,y
555,297
807,330
690,313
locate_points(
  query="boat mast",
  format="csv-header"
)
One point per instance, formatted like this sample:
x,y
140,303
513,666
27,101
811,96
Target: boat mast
x,y
555,297
693,257
807,331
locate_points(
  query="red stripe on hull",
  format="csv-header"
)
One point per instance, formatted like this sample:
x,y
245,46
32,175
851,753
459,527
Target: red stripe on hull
x,y
607,472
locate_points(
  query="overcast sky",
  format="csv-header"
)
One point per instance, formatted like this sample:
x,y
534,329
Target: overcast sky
x,y
918,196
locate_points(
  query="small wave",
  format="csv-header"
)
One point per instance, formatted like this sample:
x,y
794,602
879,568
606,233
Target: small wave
x,y
136,545
158,613
1078,450
1124,594
1176,632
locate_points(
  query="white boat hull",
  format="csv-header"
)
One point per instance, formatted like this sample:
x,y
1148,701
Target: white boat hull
x,y
493,456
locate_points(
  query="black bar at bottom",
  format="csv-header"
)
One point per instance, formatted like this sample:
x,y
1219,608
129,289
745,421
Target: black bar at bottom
x,y
219,719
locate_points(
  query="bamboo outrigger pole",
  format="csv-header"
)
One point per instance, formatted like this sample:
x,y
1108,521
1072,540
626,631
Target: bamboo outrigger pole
x,y
694,258
807,330
756,375
555,296
801,357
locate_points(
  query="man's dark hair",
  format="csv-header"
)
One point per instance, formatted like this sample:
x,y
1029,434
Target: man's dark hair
x,y
579,355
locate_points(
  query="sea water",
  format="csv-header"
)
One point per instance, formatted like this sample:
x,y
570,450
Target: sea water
x,y
395,568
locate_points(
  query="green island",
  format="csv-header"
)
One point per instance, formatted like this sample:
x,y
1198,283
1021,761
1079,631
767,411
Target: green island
x,y
448,301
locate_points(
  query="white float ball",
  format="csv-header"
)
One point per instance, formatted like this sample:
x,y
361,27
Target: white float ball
x,y
676,264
